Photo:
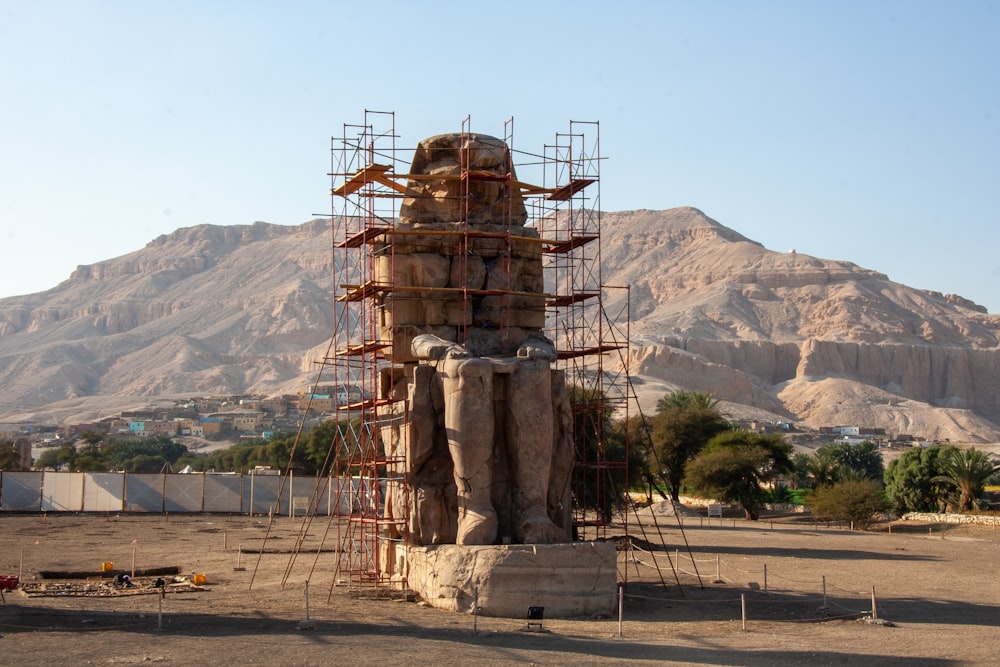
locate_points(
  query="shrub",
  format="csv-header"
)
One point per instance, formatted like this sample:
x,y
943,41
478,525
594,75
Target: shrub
x,y
855,500
781,494
910,480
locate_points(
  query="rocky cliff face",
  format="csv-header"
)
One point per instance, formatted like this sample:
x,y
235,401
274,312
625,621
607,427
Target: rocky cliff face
x,y
205,310
210,310
717,312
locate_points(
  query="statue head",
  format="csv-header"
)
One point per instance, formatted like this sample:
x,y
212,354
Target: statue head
x,y
462,177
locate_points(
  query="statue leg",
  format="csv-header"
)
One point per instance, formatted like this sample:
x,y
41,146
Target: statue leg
x,y
468,422
531,444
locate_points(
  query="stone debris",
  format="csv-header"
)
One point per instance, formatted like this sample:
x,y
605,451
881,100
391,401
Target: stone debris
x,y
106,587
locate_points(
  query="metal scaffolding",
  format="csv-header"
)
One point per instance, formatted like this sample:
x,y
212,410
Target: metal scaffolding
x,y
369,181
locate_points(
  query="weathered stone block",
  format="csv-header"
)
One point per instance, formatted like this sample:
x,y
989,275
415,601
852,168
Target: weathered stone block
x,y
468,271
413,270
402,336
570,580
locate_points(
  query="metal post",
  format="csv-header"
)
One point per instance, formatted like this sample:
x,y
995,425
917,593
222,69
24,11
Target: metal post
x,y
307,599
621,606
475,610
874,611
765,578
743,605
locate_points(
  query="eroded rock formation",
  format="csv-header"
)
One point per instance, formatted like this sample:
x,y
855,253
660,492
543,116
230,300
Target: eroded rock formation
x,y
226,310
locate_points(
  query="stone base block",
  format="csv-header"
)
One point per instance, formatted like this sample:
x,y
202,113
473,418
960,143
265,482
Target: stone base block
x,y
570,580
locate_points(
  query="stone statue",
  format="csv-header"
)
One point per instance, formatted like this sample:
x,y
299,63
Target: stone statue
x,y
488,428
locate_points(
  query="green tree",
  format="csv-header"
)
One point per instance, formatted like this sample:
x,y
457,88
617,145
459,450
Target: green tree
x,y
638,469
967,471
48,460
320,444
642,457
10,456
735,465
89,462
310,456
600,476
140,454
682,398
679,431
801,477
88,458
854,500
909,480
863,460
65,455
144,463
93,438
823,468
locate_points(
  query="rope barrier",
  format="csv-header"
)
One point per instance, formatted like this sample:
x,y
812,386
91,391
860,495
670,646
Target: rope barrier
x,y
795,581
807,593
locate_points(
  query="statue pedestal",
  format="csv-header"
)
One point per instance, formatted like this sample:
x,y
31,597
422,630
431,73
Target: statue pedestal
x,y
570,579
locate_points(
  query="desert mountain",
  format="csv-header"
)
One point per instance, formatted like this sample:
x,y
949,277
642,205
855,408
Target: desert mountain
x,y
214,310
821,342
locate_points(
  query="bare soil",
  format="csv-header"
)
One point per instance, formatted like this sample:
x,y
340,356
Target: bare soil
x,y
937,593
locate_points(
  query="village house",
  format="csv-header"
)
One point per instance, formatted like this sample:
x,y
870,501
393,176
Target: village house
x,y
216,427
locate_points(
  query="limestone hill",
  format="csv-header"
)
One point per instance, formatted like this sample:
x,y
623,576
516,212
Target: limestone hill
x,y
248,309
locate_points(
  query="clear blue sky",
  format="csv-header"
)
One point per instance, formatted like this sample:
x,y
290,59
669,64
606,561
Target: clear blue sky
x,y
861,131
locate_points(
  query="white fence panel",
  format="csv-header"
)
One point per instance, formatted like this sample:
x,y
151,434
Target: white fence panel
x,y
117,492
62,492
103,491
342,495
309,494
20,491
224,493
260,494
144,492
183,493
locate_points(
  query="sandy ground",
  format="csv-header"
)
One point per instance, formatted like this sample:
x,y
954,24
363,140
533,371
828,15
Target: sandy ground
x,y
940,591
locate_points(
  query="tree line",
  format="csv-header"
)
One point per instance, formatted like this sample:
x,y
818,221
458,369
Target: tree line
x,y
690,444
685,445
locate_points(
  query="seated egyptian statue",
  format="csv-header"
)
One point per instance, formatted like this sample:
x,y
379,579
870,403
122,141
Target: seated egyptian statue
x,y
481,417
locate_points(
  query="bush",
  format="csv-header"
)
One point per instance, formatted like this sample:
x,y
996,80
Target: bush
x,y
780,494
855,500
910,481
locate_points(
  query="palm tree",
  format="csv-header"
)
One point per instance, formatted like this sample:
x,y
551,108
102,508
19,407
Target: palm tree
x,y
968,471
823,468
682,398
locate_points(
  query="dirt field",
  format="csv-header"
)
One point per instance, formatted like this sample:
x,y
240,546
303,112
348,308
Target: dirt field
x,y
940,591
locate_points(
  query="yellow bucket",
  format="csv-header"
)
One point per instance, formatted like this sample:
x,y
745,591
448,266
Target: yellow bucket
x,y
107,566
199,579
